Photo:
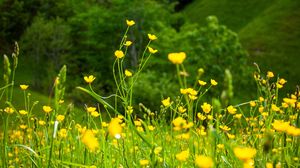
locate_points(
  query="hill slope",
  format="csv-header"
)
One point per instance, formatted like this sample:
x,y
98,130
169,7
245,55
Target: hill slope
x,y
269,29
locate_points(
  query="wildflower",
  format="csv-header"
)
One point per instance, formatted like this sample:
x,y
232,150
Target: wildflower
x,y
114,128
220,146
23,112
231,109
47,109
269,165
89,79
24,87
129,110
200,71
213,82
41,122
279,86
95,114
9,110
62,133
252,103
244,154
275,108
119,54
261,99
144,162
201,83
22,126
181,109
91,109
178,123
127,43
225,128
200,116
61,101
151,50
128,73
130,22
151,128
238,116
152,37
177,58
89,139
204,161
166,102
60,118
206,107
230,136
157,150
270,74
182,156
282,81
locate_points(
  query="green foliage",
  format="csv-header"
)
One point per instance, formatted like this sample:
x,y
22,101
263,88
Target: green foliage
x,y
45,43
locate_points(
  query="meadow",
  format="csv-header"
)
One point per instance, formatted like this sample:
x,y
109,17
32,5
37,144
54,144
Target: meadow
x,y
190,129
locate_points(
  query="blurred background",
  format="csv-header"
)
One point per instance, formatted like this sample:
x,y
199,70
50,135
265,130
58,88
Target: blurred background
x,y
216,35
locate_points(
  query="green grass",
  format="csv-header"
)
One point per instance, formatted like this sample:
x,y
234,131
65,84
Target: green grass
x,y
268,29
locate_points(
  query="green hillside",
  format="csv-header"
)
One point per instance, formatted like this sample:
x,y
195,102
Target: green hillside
x,y
269,29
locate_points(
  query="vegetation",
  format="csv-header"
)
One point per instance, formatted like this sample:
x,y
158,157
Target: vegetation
x,y
187,131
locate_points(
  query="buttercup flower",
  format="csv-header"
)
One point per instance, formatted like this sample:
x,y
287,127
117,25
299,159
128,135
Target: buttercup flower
x,y
231,109
177,58
152,37
166,102
244,154
127,43
119,54
130,22
182,156
89,139
151,50
47,109
213,82
89,79
128,73
206,107
203,161
24,87
270,74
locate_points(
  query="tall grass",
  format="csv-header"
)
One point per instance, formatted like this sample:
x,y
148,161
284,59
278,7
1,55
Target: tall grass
x,y
186,132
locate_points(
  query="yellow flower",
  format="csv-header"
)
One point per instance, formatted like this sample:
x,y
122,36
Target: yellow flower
x,y
144,162
151,50
91,109
213,82
203,161
130,22
95,114
220,146
151,128
238,116
182,156
166,102
41,122
152,37
230,136
206,107
89,139
282,81
201,117
114,128
62,133
89,79
181,109
128,43
275,108
24,87
60,118
177,58
47,109
231,109
269,165
270,74
128,73
119,54
225,128
9,110
202,83
157,150
23,112
252,103
244,154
